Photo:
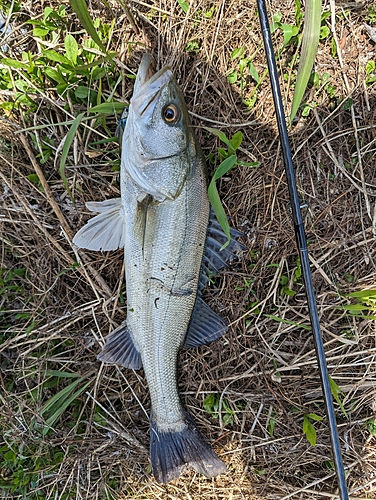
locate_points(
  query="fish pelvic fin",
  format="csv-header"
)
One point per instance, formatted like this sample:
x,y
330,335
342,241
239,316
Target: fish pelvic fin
x,y
205,326
119,349
171,451
104,231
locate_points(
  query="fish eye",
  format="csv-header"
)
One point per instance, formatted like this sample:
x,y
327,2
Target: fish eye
x,y
171,114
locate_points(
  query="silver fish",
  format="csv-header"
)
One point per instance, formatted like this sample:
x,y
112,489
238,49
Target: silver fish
x,y
163,222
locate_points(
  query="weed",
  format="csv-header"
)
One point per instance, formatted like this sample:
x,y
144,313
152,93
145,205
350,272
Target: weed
x,y
285,281
308,427
287,322
192,46
290,32
370,72
211,405
247,284
183,5
371,426
62,61
271,425
23,466
371,15
54,408
245,67
320,83
364,306
285,289
10,287
229,161
336,393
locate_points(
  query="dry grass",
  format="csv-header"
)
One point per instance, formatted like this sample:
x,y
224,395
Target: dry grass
x,y
264,369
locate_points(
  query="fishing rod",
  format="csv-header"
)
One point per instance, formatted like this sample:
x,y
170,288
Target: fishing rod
x,y
302,247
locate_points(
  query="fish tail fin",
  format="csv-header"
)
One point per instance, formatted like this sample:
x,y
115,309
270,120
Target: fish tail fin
x,y
171,451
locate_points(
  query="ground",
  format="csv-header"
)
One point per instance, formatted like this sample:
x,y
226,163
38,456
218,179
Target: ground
x,y
72,427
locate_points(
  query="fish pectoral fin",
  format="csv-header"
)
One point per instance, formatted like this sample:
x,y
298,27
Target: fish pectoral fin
x,y
104,231
119,349
171,450
139,222
205,326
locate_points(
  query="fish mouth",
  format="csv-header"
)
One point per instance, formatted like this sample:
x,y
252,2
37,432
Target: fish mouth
x,y
148,86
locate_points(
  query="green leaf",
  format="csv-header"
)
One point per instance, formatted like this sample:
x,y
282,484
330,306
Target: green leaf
x,y
309,430
54,75
47,12
271,426
56,57
63,405
324,32
310,42
58,373
223,153
80,8
209,402
236,139
288,33
10,456
313,416
232,76
248,163
13,63
40,32
370,66
237,52
336,391
363,294
283,280
71,49
357,308
81,92
108,108
221,136
224,167
33,178
184,5
287,322
275,22
348,103
334,49
253,72
67,144
214,198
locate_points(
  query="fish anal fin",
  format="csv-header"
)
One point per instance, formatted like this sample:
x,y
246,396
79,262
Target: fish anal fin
x,y
119,349
171,451
205,326
104,231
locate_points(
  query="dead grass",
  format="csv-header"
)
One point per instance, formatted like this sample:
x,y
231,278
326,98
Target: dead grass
x,y
264,369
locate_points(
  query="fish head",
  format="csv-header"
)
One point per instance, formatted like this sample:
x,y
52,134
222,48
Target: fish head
x,y
158,142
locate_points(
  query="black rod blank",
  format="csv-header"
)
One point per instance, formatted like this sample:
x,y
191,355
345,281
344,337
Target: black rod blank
x,y
302,247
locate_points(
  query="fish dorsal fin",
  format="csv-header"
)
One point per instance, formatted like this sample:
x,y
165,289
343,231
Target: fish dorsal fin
x,y
215,258
205,326
104,231
119,349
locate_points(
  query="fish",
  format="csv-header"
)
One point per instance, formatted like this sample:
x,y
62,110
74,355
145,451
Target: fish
x,y
172,243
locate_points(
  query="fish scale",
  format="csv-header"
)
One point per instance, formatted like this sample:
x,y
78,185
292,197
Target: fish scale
x,y
162,289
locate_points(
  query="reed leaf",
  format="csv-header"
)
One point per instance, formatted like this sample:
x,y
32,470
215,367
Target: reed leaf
x,y
310,42
80,8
